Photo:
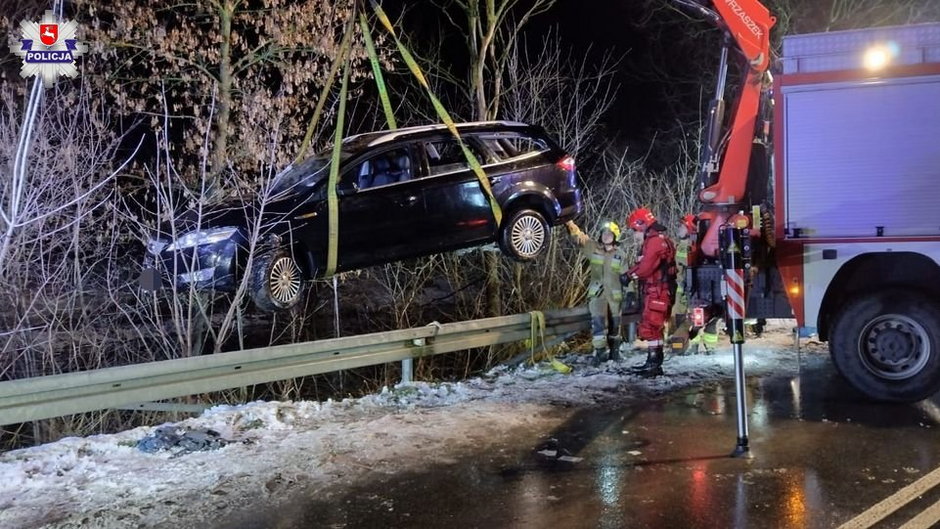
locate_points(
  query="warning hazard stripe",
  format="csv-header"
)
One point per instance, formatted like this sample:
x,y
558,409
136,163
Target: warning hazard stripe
x,y
735,294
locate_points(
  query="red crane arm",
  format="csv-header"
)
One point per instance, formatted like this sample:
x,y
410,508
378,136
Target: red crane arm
x,y
748,22
726,154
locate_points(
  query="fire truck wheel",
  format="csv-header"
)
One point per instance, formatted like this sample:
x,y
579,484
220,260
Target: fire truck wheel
x,y
887,345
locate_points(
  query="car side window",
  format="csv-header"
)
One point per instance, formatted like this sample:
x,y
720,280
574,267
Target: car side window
x,y
445,156
513,146
389,167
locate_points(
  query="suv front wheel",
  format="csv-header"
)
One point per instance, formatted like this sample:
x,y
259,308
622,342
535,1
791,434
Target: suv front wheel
x,y
525,235
276,281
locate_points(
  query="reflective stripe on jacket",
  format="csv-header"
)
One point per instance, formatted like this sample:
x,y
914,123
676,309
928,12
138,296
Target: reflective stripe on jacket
x,y
606,268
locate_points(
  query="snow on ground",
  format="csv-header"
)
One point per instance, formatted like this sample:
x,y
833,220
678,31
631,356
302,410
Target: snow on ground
x,y
274,448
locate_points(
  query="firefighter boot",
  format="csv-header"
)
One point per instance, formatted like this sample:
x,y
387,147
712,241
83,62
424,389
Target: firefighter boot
x,y
614,343
645,365
600,356
656,363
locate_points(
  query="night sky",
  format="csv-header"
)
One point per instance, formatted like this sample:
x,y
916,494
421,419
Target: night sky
x,y
664,72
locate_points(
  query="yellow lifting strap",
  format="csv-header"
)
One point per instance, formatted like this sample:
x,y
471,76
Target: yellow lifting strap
x,y
331,197
340,58
441,112
332,202
537,335
377,73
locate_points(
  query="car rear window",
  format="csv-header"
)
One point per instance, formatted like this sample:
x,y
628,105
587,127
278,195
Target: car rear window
x,y
509,146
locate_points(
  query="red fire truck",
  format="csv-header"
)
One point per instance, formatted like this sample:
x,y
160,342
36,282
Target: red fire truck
x,y
832,154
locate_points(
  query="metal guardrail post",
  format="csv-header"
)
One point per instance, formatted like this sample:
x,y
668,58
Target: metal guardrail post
x,y
407,367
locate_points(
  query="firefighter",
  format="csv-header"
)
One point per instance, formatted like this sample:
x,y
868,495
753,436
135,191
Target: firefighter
x,y
685,256
605,293
656,272
707,336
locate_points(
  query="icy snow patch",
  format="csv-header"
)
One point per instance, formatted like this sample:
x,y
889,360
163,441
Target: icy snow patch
x,y
103,480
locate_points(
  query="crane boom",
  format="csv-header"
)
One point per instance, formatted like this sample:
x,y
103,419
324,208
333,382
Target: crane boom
x,y
726,152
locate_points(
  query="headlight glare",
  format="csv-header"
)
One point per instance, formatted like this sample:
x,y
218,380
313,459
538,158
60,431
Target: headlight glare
x,y
155,246
201,237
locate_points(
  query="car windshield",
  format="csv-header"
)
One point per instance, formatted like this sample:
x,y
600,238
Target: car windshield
x,y
300,177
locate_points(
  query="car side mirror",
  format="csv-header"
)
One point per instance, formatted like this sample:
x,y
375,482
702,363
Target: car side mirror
x,y
345,189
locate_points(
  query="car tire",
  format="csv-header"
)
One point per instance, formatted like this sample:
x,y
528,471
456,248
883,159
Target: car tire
x,y
887,345
525,235
276,281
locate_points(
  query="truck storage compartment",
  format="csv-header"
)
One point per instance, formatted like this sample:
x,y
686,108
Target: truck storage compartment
x,y
863,159
861,152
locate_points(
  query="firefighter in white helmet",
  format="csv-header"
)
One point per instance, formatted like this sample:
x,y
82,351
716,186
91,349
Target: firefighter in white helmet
x,y
605,292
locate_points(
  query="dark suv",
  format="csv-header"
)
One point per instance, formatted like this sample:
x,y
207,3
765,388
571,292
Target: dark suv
x,y
402,193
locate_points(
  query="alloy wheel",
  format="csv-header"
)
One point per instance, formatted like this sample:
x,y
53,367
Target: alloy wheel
x,y
284,280
527,236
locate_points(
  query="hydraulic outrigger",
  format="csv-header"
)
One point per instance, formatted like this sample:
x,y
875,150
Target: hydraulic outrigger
x,y
725,166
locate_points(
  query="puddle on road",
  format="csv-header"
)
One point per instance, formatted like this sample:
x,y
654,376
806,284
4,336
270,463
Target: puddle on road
x,y
821,455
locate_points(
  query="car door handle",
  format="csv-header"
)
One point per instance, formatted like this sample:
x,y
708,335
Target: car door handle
x,y
409,200
496,179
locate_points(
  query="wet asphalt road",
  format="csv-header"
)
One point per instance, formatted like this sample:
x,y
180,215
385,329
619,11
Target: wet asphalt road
x,y
821,456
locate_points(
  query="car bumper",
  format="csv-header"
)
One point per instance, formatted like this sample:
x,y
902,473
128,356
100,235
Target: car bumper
x,y
205,267
571,206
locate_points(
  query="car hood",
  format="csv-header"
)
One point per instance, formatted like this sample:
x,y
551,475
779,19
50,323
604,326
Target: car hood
x,y
239,213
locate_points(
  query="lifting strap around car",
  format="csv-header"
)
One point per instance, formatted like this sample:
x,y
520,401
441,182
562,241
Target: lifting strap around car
x,y
441,112
332,202
377,73
341,58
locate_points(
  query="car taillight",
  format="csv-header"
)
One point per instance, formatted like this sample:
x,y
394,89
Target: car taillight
x,y
698,317
566,163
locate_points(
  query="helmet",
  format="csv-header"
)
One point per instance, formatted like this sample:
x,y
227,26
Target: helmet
x,y
641,219
690,222
612,227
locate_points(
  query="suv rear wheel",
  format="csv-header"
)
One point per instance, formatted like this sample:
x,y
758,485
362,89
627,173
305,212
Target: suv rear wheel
x,y
887,345
525,235
276,281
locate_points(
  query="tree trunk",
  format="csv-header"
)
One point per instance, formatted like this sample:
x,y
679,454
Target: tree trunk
x,y
223,117
482,30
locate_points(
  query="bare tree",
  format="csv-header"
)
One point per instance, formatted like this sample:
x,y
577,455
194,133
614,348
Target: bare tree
x,y
568,96
227,55
491,29
56,221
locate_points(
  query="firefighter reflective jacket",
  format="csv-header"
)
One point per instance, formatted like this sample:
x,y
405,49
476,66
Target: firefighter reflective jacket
x,y
683,254
606,267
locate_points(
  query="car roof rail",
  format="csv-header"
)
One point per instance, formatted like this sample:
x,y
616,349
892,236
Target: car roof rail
x,y
387,136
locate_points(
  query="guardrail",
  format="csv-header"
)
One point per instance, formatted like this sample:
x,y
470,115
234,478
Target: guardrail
x,y
37,398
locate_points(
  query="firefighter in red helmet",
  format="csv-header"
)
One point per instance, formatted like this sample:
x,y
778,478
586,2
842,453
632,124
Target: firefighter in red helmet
x,y
656,272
